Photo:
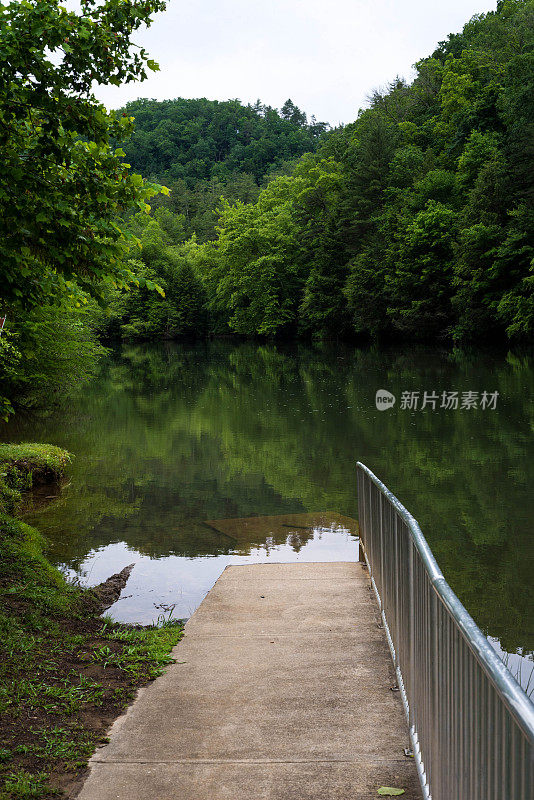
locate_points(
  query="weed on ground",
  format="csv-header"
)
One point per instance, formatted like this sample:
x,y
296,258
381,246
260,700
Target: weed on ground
x,y
65,672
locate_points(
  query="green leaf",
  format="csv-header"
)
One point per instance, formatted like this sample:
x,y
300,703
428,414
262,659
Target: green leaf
x,y
389,791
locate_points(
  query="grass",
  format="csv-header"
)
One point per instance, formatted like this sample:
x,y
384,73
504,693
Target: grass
x,y
22,785
22,465
65,672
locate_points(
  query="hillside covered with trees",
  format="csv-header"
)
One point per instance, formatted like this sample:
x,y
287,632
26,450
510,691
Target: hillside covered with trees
x,y
194,140
415,221
203,150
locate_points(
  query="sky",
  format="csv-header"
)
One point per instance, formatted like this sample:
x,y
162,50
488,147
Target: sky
x,y
326,55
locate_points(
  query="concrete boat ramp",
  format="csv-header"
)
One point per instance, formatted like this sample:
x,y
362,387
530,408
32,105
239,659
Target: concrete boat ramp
x,y
281,690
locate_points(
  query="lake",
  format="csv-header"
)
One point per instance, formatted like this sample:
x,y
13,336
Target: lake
x,y
171,443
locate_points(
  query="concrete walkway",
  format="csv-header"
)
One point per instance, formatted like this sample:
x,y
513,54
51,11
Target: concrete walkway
x,y
281,692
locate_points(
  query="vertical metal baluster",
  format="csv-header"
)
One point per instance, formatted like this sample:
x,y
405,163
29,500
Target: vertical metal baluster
x,y
435,681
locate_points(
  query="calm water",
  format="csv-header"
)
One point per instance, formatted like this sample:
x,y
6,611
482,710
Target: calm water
x,y
171,436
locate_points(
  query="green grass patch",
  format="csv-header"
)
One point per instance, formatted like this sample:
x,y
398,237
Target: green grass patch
x,y
145,651
26,575
20,785
23,465
65,672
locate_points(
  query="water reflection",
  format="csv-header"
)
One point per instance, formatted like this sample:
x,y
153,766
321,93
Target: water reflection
x,y
176,586
171,436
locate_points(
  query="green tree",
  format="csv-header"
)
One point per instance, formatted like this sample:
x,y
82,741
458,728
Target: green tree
x,y
62,184
292,113
323,310
47,352
420,285
252,272
169,262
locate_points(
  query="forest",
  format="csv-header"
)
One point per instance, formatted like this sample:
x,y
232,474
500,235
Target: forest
x,y
414,222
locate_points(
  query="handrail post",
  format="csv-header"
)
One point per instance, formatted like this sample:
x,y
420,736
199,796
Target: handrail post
x,y
361,553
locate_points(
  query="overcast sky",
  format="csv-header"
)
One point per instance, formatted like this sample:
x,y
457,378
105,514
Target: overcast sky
x,y
326,55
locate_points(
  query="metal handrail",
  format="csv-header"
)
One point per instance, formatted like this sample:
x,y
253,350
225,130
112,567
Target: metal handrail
x,y
471,725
